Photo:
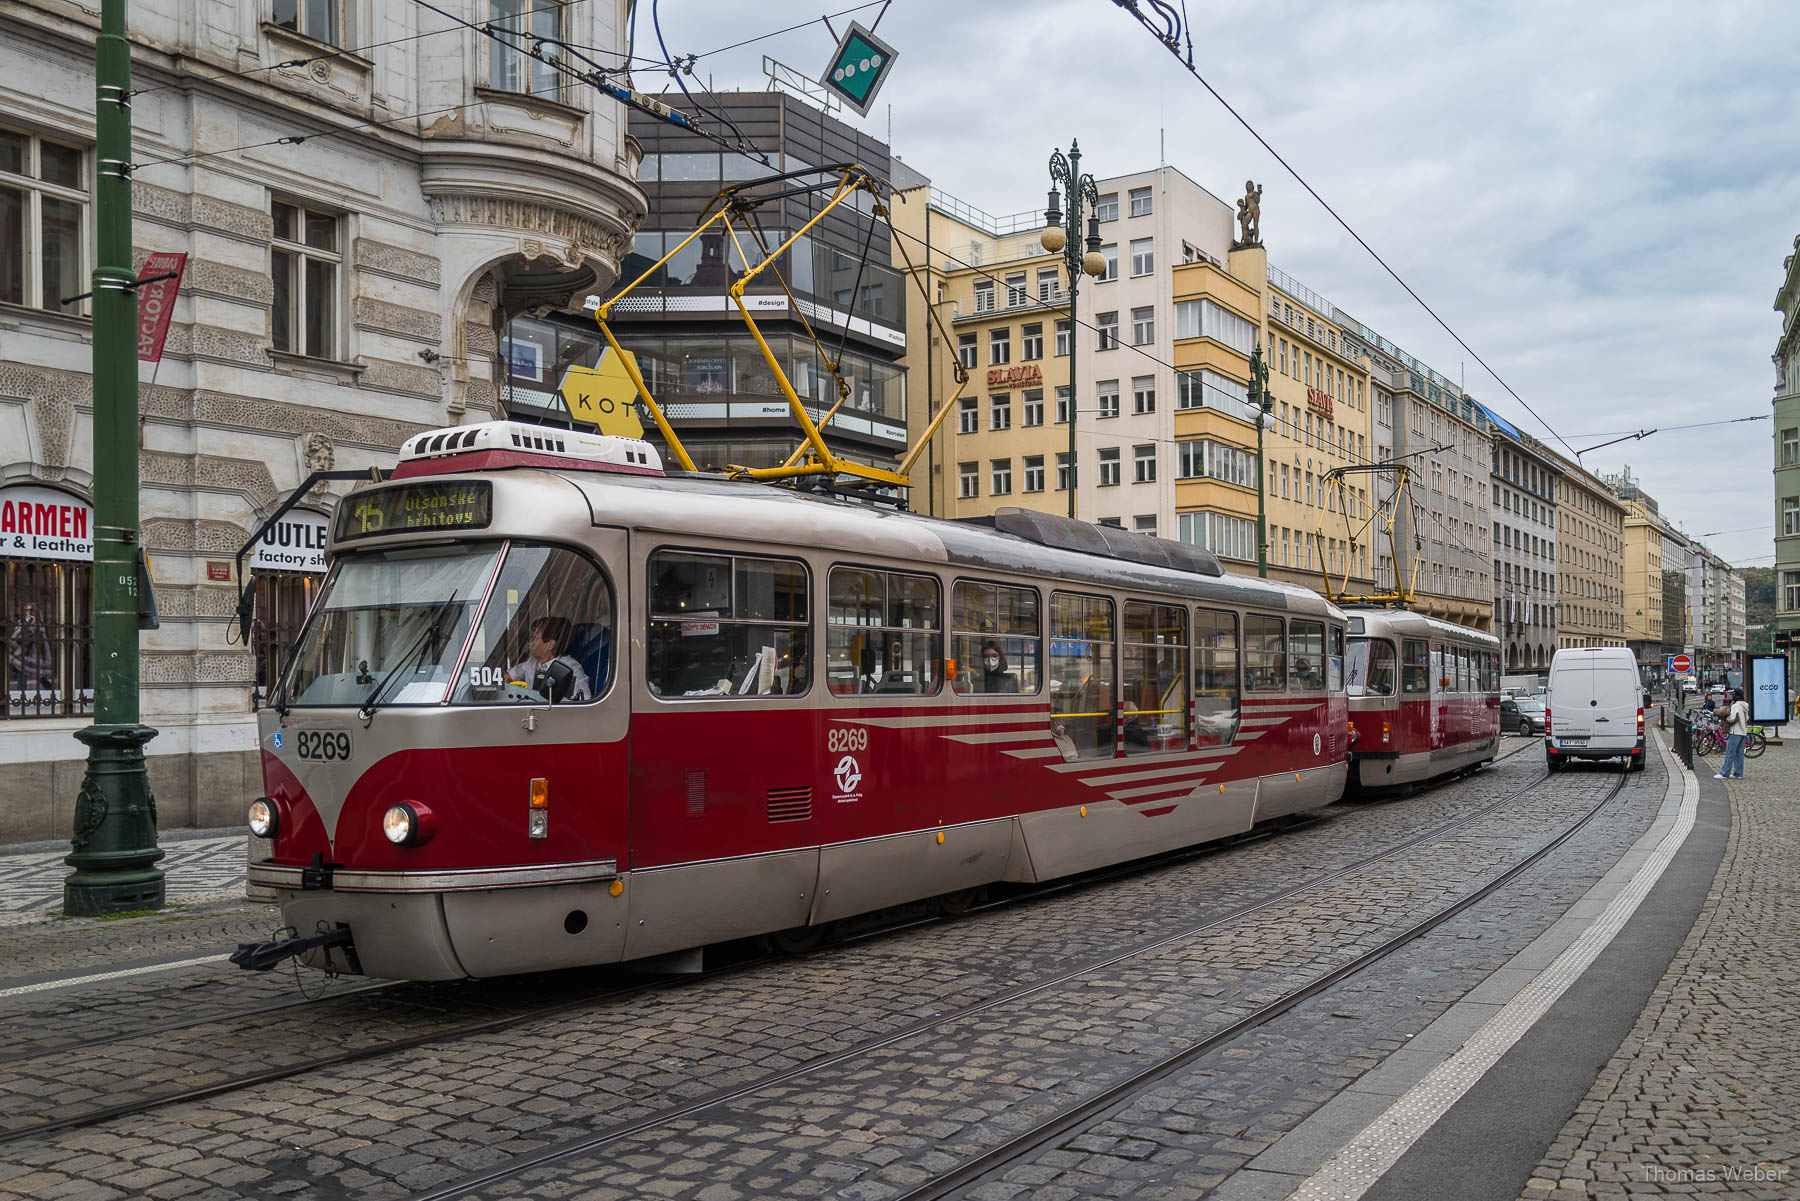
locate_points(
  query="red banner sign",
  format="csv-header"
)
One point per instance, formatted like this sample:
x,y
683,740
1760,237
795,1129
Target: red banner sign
x,y
1015,377
1319,402
156,302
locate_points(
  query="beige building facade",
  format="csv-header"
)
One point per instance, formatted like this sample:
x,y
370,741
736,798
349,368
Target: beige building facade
x,y
1591,560
1643,581
345,289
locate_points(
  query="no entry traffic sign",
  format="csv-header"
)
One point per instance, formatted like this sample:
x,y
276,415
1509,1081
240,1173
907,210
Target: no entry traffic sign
x,y
1681,664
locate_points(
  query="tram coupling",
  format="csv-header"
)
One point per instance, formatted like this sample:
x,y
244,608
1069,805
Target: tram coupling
x,y
263,956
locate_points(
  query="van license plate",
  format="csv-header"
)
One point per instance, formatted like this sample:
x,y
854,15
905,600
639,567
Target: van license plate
x,y
1574,741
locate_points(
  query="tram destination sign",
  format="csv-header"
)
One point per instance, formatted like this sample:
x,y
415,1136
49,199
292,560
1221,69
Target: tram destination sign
x,y
413,508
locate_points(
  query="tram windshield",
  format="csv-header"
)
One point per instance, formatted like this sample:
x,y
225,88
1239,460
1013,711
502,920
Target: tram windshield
x,y
1369,668
391,626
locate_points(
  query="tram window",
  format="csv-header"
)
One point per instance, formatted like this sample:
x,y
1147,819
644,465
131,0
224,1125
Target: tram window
x,y
1215,677
389,627
1265,655
1154,677
1334,662
1413,678
993,621
1462,670
1439,681
1306,655
282,601
883,634
1081,675
546,635
726,626
1370,667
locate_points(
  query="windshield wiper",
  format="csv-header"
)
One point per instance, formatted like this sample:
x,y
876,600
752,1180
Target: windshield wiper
x,y
415,655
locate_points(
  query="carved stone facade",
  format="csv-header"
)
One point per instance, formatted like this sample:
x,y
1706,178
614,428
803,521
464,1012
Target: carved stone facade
x,y
438,237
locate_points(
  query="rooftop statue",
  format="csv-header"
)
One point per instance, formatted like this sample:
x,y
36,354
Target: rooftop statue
x,y
1250,215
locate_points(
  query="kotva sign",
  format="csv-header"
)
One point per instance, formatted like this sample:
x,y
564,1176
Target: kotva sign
x,y
42,523
295,543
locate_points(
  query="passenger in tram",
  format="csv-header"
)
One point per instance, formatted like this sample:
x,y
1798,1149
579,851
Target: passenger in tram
x,y
996,674
546,668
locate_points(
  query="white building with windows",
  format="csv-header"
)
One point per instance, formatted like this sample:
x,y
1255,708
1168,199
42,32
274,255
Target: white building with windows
x,y
366,194
1126,384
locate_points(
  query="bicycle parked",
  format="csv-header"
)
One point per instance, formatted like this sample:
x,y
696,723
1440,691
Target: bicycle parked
x,y
1708,734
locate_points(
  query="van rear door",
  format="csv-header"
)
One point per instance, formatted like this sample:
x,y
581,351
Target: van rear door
x,y
1614,713
1572,698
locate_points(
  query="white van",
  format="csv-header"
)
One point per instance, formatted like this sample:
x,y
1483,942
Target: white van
x,y
1594,707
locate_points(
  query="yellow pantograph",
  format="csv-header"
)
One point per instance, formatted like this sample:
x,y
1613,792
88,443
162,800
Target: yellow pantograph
x,y
812,457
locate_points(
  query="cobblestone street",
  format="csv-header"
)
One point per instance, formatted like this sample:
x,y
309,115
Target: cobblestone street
x,y
879,1124
1702,1097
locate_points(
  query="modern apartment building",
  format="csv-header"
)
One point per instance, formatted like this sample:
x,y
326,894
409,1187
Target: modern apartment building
x,y
1590,548
1524,479
348,274
1787,465
1439,545
1004,301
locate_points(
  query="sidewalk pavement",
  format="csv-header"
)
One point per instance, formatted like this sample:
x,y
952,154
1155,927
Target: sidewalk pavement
x,y
1702,1095
199,865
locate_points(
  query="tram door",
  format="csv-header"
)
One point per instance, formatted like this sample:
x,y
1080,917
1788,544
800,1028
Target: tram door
x,y
572,715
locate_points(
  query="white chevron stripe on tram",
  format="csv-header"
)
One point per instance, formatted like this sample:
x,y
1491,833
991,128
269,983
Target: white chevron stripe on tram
x,y
1038,734
1133,775
1188,785
947,721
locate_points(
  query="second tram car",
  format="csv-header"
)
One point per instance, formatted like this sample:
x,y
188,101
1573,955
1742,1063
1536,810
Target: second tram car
x,y
554,707
1424,697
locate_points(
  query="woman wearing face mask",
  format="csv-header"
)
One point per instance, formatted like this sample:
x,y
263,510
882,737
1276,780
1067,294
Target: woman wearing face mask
x,y
994,675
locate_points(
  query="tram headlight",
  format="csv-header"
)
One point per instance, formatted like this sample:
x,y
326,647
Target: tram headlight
x,y
408,824
265,817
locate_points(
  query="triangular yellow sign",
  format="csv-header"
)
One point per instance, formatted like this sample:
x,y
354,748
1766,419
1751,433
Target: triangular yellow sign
x,y
603,396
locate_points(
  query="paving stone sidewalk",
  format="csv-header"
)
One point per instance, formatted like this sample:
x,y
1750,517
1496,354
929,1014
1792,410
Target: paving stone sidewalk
x,y
199,865
1703,1096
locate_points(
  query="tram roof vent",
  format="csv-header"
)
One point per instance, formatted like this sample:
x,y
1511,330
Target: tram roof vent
x,y
496,444
1066,533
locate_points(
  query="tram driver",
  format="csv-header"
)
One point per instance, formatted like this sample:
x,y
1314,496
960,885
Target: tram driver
x,y
546,668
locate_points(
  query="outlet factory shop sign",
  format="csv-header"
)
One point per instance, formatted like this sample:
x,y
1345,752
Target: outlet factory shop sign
x,y
295,543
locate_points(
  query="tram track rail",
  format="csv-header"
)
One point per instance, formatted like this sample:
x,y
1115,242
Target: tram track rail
x,y
1107,1103
501,1022
576,1148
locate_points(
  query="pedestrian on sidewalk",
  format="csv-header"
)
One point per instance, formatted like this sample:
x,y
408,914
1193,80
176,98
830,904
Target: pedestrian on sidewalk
x,y
1737,719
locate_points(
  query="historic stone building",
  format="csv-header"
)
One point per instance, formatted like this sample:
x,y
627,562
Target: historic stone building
x,y
1590,548
358,228
1423,420
1524,479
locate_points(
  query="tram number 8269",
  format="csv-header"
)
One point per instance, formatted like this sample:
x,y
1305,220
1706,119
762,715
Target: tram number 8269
x,y
855,738
322,744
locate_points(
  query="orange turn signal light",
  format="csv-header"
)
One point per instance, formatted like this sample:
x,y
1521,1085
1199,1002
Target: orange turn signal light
x,y
540,794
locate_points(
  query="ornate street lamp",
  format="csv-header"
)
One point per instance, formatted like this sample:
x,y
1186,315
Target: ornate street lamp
x,y
1061,236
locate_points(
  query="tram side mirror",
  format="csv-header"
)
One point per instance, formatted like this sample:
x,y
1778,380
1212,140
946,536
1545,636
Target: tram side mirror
x,y
554,681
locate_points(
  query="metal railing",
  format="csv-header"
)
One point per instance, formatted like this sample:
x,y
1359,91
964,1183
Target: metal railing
x,y
986,222
1684,739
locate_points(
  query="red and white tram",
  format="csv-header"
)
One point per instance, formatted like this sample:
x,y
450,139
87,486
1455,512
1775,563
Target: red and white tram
x,y
1424,697
556,708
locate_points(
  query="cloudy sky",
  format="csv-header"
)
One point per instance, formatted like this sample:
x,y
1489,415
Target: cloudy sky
x,y
1596,196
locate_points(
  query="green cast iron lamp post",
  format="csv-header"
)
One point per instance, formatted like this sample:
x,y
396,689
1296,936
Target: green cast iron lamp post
x,y
1058,236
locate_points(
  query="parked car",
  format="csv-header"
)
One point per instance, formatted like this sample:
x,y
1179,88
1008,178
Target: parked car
x,y
1717,690
1522,715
